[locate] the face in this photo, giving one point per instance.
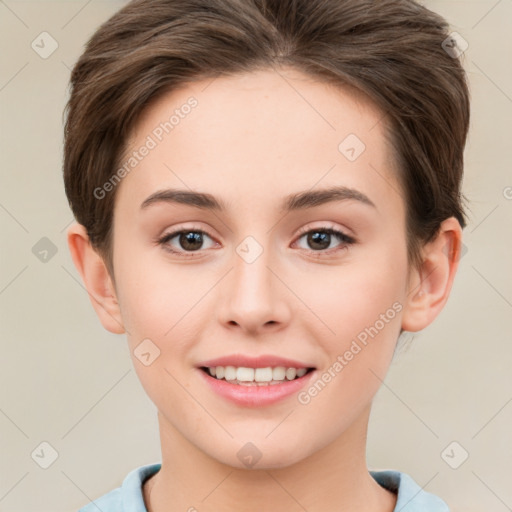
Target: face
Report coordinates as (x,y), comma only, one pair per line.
(273,277)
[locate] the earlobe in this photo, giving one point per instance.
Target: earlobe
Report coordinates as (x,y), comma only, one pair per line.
(430,285)
(96,278)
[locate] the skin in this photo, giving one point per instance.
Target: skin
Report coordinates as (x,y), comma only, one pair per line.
(252,140)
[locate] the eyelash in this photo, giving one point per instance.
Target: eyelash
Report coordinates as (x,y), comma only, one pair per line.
(345,239)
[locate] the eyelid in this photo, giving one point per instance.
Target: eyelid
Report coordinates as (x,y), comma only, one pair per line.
(342,234)
(181,229)
(345,239)
(324,227)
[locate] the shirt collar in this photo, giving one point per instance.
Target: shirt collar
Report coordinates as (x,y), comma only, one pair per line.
(410,496)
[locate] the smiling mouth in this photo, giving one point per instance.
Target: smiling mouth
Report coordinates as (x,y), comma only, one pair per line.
(244,376)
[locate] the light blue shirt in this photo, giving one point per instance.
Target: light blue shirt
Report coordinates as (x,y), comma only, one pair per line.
(129,498)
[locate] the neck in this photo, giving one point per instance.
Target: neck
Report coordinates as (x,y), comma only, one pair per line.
(334,478)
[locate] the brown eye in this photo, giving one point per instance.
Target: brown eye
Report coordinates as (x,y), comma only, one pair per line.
(187,240)
(320,239)
(190,241)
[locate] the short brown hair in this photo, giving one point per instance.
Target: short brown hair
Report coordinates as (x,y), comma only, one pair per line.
(391,50)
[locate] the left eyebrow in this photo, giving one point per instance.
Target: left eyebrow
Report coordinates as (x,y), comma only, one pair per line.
(310,198)
(292,202)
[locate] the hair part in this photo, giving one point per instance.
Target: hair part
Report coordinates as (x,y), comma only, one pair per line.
(389,50)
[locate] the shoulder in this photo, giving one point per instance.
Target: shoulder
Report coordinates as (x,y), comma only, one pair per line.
(410,496)
(126,498)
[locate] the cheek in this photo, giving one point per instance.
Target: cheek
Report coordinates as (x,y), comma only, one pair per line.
(157,296)
(365,316)
(352,298)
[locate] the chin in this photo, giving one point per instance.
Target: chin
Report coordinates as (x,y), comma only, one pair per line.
(261,453)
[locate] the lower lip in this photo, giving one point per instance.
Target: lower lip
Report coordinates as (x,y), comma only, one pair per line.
(256,396)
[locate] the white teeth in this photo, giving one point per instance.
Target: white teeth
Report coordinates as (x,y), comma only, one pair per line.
(229,373)
(291,373)
(278,373)
(245,374)
(256,376)
(263,375)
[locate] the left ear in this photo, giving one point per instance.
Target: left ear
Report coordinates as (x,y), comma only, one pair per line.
(430,285)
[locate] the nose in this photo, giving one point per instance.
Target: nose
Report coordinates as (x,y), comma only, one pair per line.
(253,297)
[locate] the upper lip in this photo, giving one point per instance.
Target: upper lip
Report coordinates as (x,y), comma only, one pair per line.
(262,361)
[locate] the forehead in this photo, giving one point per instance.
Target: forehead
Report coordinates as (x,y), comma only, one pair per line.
(254,133)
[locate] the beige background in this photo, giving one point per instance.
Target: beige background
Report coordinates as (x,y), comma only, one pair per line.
(66,381)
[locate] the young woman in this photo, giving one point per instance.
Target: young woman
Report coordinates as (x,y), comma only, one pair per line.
(267,193)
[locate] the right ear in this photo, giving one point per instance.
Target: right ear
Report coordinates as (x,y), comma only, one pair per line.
(96,278)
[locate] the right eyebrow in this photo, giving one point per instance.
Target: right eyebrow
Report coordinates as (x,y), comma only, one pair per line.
(187,197)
